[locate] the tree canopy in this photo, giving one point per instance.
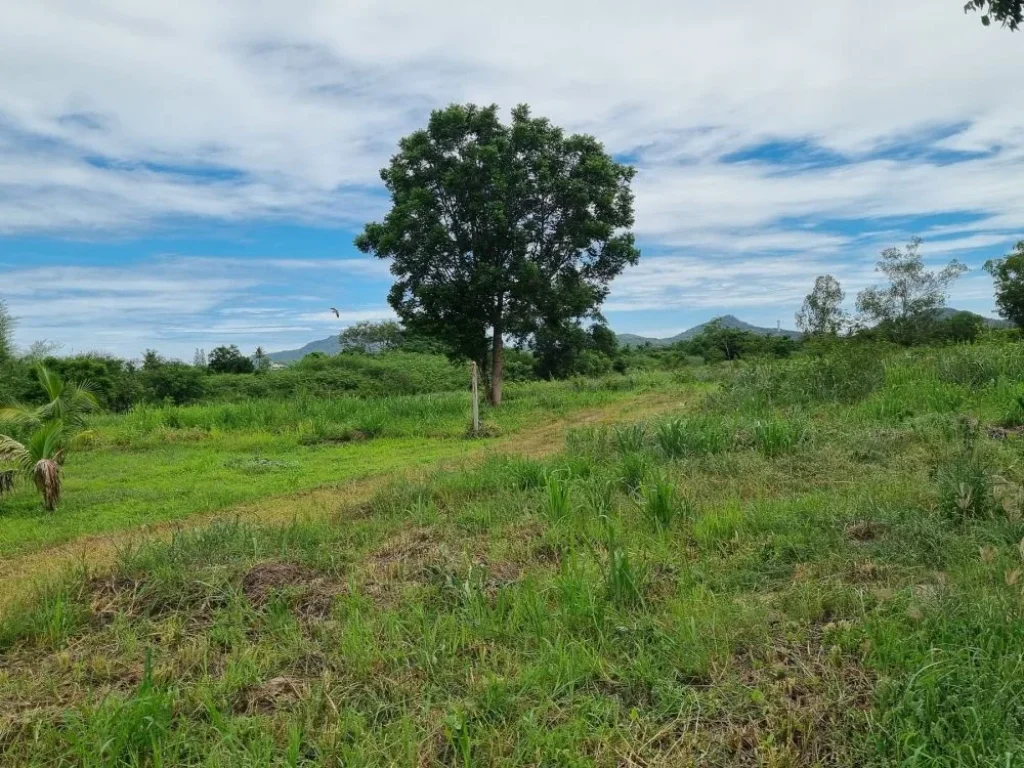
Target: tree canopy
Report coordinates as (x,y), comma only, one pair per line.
(229,359)
(822,311)
(1009,13)
(1008,274)
(367,336)
(497,230)
(914,295)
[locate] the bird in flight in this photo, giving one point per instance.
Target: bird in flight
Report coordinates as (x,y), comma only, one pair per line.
(337,314)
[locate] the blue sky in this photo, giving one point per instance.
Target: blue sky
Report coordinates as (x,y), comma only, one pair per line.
(185,175)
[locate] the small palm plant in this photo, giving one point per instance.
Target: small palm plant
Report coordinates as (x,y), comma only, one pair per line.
(50,428)
(40,457)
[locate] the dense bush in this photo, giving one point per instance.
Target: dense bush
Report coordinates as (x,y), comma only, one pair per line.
(175,383)
(361,375)
(845,372)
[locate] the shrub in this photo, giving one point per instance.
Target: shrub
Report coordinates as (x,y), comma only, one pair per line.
(175,383)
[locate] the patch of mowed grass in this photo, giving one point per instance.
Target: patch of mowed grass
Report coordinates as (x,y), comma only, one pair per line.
(157,464)
(806,608)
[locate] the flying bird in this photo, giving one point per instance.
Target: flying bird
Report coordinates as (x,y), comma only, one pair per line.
(337,314)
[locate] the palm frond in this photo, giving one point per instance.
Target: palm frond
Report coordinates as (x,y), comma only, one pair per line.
(69,402)
(12,452)
(51,383)
(47,442)
(19,417)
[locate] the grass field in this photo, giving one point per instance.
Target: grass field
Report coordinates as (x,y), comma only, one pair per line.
(159,464)
(818,561)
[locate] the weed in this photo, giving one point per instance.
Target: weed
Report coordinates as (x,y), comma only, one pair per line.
(633,471)
(698,435)
(661,503)
(965,485)
(630,438)
(1014,416)
(558,496)
(623,579)
(775,436)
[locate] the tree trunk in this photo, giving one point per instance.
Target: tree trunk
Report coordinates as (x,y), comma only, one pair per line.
(497,366)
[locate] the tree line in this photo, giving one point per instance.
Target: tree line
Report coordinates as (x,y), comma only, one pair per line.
(909,308)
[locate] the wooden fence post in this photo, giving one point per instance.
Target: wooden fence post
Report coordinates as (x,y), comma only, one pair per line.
(476,400)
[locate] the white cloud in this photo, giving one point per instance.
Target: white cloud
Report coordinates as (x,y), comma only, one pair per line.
(175,304)
(117,117)
(304,102)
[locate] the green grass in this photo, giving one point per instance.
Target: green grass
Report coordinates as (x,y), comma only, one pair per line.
(154,465)
(813,591)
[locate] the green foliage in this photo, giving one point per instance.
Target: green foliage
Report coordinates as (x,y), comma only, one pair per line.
(229,359)
(174,383)
(385,374)
(565,350)
(906,308)
(1009,13)
(630,438)
(367,336)
(498,229)
(822,311)
(816,611)
(846,373)
(1008,275)
(559,496)
(51,429)
(695,435)
(719,342)
(624,580)
(634,470)
(965,484)
(661,502)
(775,436)
(961,327)
(1014,416)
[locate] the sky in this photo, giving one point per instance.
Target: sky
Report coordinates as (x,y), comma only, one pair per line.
(184,175)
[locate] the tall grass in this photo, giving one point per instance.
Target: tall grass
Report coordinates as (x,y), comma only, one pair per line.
(694,435)
(661,503)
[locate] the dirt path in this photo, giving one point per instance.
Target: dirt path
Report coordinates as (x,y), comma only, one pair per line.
(18,574)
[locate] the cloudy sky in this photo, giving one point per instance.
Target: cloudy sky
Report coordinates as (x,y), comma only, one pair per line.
(180,175)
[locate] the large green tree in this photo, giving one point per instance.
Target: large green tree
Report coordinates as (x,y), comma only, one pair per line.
(367,336)
(496,230)
(1009,13)
(906,307)
(1008,274)
(229,359)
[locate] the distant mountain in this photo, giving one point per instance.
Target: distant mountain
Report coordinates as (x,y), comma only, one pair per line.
(729,321)
(329,346)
